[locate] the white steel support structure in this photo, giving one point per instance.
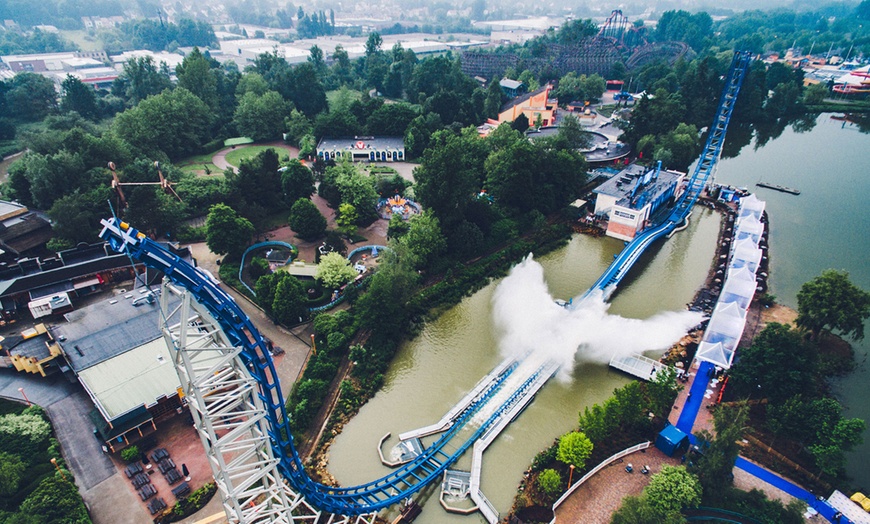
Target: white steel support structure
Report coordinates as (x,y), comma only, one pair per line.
(229,417)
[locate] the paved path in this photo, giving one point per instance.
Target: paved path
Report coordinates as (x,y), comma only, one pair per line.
(595,501)
(100,484)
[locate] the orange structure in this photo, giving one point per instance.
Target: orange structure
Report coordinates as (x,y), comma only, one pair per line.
(531,104)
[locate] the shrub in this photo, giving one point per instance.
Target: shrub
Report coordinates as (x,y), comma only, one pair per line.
(550,482)
(130,454)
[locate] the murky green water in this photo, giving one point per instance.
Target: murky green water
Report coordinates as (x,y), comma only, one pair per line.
(437,368)
(826,226)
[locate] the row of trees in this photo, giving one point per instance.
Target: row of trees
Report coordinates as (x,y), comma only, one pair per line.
(793,371)
(31,489)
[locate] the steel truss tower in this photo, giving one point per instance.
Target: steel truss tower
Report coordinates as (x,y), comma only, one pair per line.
(224,400)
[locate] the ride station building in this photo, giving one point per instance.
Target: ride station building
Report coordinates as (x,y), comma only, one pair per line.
(363,149)
(631,197)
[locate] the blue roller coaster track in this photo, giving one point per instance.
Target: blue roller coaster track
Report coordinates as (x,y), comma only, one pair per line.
(623,262)
(436,458)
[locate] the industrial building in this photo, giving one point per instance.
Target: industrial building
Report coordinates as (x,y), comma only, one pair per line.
(631,197)
(115,349)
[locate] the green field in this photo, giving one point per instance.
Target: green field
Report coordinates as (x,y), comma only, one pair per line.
(82,39)
(235,156)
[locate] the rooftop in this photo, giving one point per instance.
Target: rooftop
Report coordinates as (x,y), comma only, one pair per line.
(137,377)
(624,185)
(107,329)
(361,142)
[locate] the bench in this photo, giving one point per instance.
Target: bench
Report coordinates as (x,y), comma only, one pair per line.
(147,491)
(156,505)
(140,479)
(173,476)
(181,490)
(133,469)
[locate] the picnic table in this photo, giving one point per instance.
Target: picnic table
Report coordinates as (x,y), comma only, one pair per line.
(156,505)
(173,476)
(133,469)
(165,465)
(181,490)
(140,479)
(147,491)
(159,454)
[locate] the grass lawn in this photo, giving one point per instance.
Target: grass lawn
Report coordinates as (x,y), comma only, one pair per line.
(83,39)
(238,141)
(201,169)
(332,96)
(235,156)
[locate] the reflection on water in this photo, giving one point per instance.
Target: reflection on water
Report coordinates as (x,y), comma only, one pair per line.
(825,227)
(433,371)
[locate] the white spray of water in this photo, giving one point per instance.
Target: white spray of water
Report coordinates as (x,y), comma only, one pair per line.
(531,324)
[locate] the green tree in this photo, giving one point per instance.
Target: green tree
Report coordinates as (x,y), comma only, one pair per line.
(347,218)
(24,434)
(261,117)
(31,96)
(195,75)
(175,122)
(550,482)
(143,79)
(258,182)
(297,181)
(227,232)
(306,220)
(832,302)
(574,448)
(639,510)
(288,305)
(334,270)
(76,217)
(297,125)
(56,501)
(816,94)
(673,489)
(495,98)
(11,472)
(424,240)
(449,174)
(78,97)
(718,454)
(775,366)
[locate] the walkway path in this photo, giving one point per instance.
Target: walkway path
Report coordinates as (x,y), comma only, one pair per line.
(595,501)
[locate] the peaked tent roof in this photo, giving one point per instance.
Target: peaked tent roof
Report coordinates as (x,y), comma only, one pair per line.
(715,353)
(751,205)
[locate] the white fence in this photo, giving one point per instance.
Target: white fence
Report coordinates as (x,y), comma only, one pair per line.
(596,469)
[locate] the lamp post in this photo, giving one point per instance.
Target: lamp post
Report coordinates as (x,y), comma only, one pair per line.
(54,463)
(21,390)
(570,474)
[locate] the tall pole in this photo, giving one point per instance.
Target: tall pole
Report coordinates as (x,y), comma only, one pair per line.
(21,390)
(570,474)
(54,463)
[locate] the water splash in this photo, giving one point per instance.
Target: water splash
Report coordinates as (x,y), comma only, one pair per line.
(531,324)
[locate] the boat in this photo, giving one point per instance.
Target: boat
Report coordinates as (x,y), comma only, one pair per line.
(777,187)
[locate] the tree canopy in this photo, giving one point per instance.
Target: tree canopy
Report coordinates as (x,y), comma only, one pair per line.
(226,231)
(832,302)
(334,270)
(574,448)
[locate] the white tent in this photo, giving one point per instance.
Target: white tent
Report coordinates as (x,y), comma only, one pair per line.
(749,227)
(739,287)
(726,325)
(746,254)
(715,353)
(751,205)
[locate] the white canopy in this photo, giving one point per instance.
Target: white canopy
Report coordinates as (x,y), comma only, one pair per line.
(746,254)
(749,227)
(715,353)
(726,325)
(751,205)
(739,287)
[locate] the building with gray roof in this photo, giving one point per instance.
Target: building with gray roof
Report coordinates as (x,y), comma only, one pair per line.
(362,148)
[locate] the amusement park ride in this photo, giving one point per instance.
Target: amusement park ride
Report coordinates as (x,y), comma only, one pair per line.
(235,398)
(164,184)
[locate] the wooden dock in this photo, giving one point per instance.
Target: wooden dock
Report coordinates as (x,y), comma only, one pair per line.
(777,187)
